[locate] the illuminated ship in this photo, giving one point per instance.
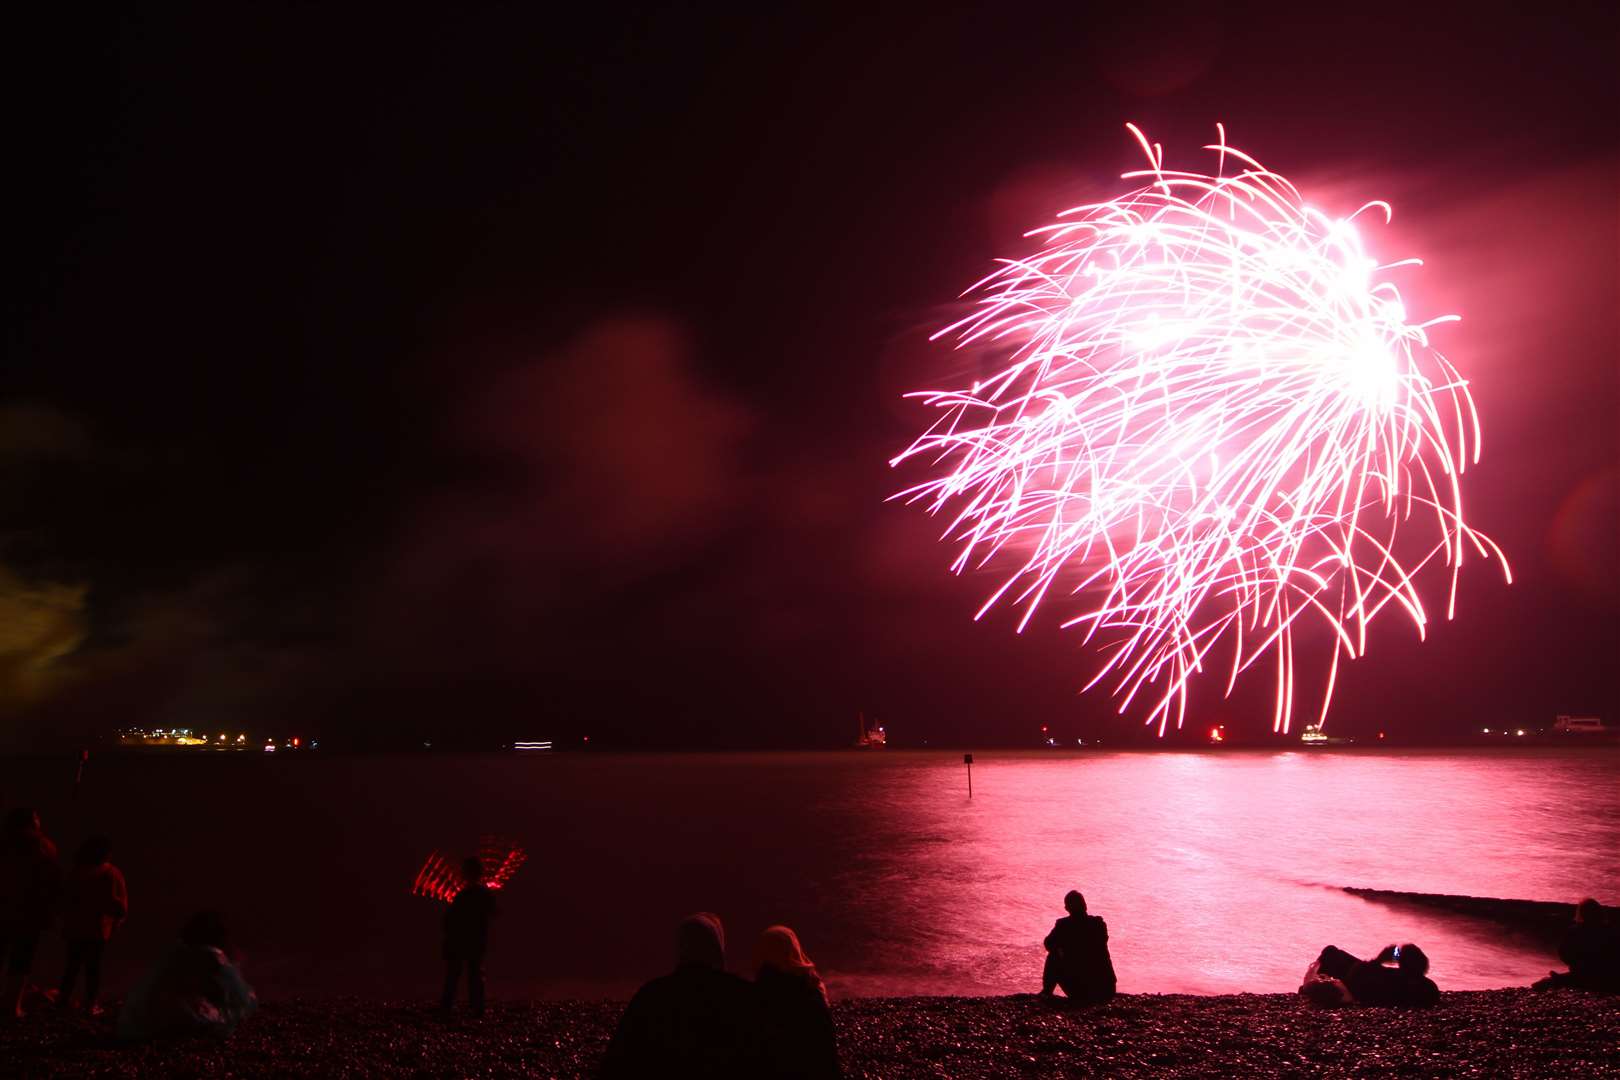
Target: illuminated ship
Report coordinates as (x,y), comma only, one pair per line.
(870,738)
(1583,726)
(1313,735)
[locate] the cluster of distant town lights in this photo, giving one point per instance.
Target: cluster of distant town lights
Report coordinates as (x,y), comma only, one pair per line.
(186,738)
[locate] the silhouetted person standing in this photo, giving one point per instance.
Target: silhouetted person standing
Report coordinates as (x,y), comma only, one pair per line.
(30,882)
(1077,955)
(699,1021)
(466,936)
(95,902)
(798,1039)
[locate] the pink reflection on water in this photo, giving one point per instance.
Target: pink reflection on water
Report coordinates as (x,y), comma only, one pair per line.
(1222,872)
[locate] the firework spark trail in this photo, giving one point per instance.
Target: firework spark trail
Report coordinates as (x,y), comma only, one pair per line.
(1212,418)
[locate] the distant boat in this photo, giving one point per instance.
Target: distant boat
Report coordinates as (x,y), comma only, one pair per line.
(870,738)
(1313,735)
(1582,725)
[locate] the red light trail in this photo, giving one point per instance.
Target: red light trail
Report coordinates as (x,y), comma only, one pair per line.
(440,877)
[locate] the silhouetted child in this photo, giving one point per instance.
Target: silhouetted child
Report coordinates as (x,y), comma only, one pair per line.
(466,936)
(30,883)
(1077,955)
(95,902)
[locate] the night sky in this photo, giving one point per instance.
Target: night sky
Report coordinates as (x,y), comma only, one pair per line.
(495,374)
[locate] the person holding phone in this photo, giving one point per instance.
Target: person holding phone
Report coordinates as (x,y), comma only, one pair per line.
(1397,976)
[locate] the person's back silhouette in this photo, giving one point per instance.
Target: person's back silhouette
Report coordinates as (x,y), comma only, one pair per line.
(466,936)
(699,1021)
(1077,955)
(798,1042)
(1591,948)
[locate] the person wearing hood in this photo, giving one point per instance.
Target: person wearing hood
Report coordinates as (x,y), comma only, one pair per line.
(30,886)
(797,1034)
(699,1021)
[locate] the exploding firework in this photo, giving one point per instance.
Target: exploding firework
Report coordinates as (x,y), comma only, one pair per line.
(1209,420)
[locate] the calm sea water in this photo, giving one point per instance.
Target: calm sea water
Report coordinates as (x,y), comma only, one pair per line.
(1216,871)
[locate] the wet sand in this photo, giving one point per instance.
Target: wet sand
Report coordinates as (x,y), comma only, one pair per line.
(1472,1033)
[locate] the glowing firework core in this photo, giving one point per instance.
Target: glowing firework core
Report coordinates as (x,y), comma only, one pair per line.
(1210,416)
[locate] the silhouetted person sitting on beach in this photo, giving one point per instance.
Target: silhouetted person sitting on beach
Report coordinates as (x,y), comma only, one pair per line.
(195,989)
(1339,978)
(1077,955)
(1591,948)
(30,882)
(466,936)
(798,1039)
(95,902)
(700,1020)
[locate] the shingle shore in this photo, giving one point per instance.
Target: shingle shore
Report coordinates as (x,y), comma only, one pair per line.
(1472,1033)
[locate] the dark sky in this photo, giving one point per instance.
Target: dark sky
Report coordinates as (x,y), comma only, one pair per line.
(384,374)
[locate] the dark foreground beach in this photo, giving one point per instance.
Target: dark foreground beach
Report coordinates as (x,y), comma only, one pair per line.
(1472,1033)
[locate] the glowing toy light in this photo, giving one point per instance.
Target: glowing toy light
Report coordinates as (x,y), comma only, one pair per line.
(441,879)
(1209,418)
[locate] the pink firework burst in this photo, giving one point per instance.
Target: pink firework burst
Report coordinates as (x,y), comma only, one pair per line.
(1211,419)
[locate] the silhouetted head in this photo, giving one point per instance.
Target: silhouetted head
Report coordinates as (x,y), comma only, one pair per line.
(94,851)
(205,928)
(1589,912)
(1412,960)
(701,942)
(472,868)
(778,950)
(1074,903)
(21,819)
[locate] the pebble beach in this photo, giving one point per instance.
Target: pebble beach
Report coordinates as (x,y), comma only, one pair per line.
(1495,1033)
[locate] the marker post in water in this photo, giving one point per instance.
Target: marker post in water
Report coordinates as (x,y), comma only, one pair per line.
(967,759)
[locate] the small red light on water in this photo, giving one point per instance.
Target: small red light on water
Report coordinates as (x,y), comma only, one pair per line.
(295,742)
(1043,729)
(1380,734)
